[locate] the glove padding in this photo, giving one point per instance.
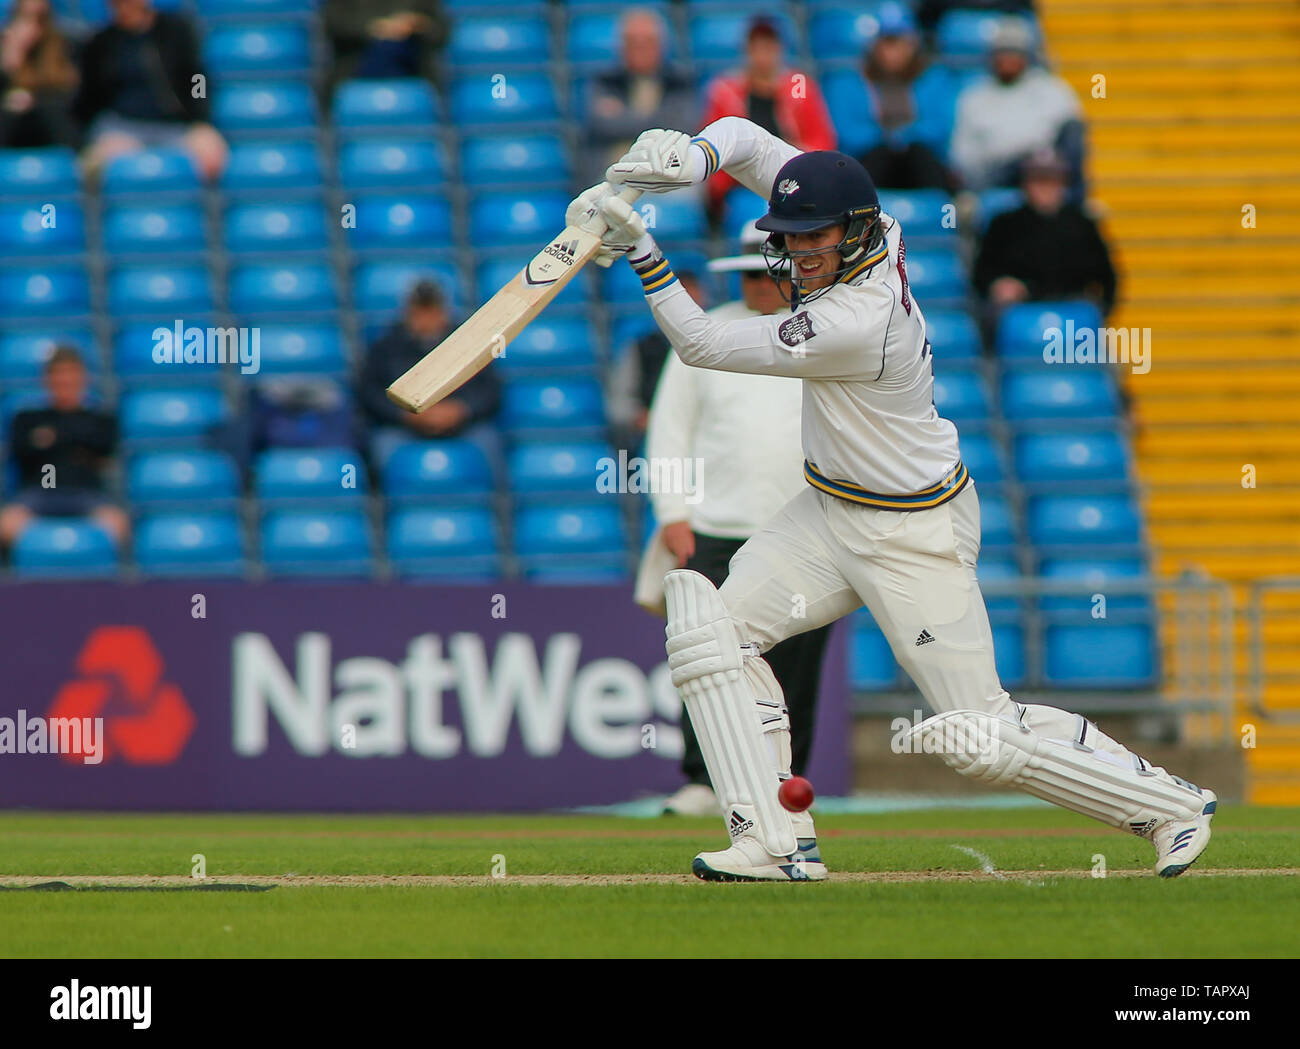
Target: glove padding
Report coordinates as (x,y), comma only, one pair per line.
(659,161)
(599,210)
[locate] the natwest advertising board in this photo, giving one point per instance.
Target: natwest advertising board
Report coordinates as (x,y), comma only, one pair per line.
(344,697)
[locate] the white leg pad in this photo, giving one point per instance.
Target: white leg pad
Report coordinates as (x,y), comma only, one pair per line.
(1112,785)
(721,688)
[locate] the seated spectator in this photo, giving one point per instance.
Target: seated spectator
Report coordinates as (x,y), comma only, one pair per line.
(138,90)
(907,108)
(60,452)
(466,413)
(385,38)
(1017,111)
(37,79)
(639,92)
(635,372)
(306,412)
(784,101)
(1046,249)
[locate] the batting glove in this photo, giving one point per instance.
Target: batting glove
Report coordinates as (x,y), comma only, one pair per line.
(659,162)
(584,211)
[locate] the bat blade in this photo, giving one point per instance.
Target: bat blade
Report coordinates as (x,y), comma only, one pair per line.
(485,335)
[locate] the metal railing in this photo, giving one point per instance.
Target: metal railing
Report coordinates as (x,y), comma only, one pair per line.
(1259,618)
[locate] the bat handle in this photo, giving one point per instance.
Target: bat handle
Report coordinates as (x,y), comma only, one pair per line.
(630,195)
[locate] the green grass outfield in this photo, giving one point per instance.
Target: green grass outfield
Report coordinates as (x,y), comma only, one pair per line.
(609,886)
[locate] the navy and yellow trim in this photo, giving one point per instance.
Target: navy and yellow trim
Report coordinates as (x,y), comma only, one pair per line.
(935,495)
(655,274)
(859,268)
(711,159)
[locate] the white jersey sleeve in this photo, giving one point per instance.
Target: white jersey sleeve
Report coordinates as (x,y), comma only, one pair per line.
(748,153)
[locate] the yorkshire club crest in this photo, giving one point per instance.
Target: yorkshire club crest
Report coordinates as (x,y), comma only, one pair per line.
(787,186)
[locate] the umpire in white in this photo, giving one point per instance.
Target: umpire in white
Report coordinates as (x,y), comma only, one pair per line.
(744,429)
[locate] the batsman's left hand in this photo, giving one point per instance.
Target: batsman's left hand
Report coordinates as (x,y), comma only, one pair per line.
(599,210)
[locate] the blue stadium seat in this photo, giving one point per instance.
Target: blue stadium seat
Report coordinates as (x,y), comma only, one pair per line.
(364,106)
(267,288)
(197,475)
(176,415)
(964,35)
(872,666)
(316,474)
(569,468)
(1083,520)
(41,228)
(1095,575)
(997,522)
(549,343)
(568,539)
(38,173)
(954,335)
(1072,456)
(64,548)
(514,218)
(383,286)
(843,32)
(983,458)
(135,342)
(444,470)
(264,107)
(718,37)
(150,172)
(1025,330)
(301,349)
(190,544)
(131,229)
(593,37)
(269,49)
(403,221)
(321,543)
(996,570)
(40,291)
(993,202)
(392,163)
(921,212)
(961,396)
(453,544)
(23,353)
(248,10)
(533,160)
(1008,648)
(1059,393)
(620,284)
(1099,654)
(673,218)
(266,229)
(936,275)
(557,404)
(499,41)
(740,207)
(521,98)
(255,167)
(493,273)
(178,290)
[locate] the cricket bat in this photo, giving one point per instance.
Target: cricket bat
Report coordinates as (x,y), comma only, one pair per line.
(484,337)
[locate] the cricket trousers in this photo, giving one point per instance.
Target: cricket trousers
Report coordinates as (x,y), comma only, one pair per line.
(796,662)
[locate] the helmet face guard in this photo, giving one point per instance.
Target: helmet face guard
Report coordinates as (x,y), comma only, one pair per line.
(862,237)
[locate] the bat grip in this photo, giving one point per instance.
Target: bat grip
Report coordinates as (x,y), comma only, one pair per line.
(630,195)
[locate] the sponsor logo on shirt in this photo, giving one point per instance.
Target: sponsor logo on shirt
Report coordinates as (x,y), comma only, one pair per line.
(796,330)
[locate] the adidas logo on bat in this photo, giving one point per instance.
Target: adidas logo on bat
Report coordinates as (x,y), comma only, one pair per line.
(564,251)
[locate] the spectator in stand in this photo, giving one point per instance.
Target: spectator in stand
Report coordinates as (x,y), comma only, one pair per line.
(641,91)
(37,79)
(385,38)
(467,413)
(59,452)
(1017,111)
(635,373)
(138,90)
(906,110)
(1047,249)
(784,101)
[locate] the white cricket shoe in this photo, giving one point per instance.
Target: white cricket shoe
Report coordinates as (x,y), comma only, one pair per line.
(694,799)
(748,860)
(1179,843)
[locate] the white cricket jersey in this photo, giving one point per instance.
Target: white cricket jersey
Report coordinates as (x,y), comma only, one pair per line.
(870,427)
(743,429)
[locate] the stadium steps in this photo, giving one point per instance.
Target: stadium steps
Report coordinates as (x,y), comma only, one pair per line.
(1201,116)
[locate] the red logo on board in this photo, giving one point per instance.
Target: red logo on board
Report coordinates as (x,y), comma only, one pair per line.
(120,678)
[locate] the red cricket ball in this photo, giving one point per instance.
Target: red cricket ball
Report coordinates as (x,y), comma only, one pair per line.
(795,794)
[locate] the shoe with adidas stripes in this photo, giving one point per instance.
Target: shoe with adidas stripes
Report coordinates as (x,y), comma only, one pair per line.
(748,860)
(1179,843)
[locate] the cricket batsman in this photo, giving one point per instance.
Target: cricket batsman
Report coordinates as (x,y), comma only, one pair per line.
(889,517)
